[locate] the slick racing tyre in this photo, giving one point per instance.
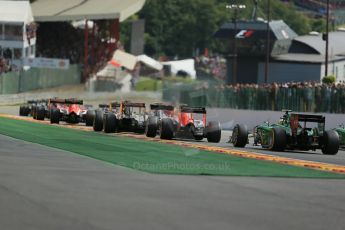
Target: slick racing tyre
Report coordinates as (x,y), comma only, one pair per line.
(54,116)
(34,112)
(40,113)
(98,121)
(167,129)
(277,140)
(21,110)
(151,126)
(109,121)
(239,136)
(213,132)
(90,116)
(26,111)
(330,143)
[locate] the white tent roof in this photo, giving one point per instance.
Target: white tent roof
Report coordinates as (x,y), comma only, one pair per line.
(15,11)
(150,62)
(69,10)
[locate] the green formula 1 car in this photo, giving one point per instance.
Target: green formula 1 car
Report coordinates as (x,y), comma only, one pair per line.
(291,133)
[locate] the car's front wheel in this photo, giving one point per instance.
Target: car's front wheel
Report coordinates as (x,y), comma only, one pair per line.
(239,136)
(277,139)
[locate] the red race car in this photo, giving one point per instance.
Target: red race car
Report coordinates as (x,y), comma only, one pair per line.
(189,122)
(69,110)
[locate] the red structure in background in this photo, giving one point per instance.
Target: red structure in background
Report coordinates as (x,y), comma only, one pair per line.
(86,50)
(111,45)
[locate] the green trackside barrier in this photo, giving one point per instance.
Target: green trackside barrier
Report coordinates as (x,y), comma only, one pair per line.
(35,78)
(9,82)
(327,99)
(46,78)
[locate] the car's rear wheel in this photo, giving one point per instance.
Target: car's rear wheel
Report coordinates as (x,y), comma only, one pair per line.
(98,121)
(213,132)
(239,136)
(40,113)
(330,143)
(21,110)
(109,122)
(34,112)
(26,111)
(90,116)
(54,116)
(167,129)
(151,126)
(277,139)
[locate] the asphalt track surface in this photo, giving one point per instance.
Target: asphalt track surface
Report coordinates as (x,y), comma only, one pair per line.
(45,188)
(316,156)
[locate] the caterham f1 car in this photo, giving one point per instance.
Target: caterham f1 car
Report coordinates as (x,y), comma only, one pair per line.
(126,116)
(69,110)
(290,133)
(189,122)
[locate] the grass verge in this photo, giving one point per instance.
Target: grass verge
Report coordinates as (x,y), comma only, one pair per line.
(150,156)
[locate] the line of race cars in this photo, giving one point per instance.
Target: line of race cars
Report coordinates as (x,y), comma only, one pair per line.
(163,120)
(168,121)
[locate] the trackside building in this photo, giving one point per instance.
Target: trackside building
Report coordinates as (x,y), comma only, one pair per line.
(291,57)
(17,32)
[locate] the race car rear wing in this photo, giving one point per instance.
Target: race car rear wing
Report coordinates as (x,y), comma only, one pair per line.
(308,118)
(102,106)
(74,101)
(133,104)
(187,109)
(37,101)
(160,106)
(115,104)
(66,101)
(57,100)
(296,118)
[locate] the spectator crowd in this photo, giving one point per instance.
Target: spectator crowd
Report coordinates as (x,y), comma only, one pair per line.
(301,97)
